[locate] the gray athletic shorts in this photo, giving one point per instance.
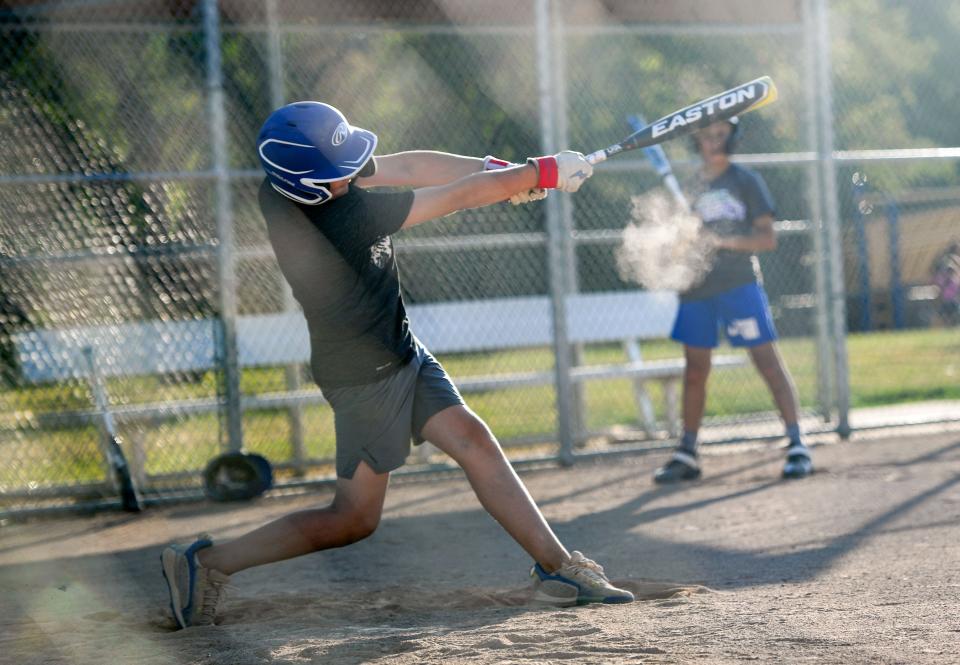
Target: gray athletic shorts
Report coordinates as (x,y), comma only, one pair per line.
(375,422)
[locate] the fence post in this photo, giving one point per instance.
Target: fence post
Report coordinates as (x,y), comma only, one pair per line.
(828,178)
(224,219)
(896,282)
(825,385)
(860,211)
(549,103)
(568,245)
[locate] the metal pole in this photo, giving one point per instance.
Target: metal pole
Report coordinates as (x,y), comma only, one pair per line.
(828,175)
(224,219)
(570,275)
(863,256)
(896,282)
(825,387)
(274,55)
(291,372)
(549,104)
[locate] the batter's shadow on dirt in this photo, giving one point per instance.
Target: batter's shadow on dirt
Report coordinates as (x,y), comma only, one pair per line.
(81,529)
(715,566)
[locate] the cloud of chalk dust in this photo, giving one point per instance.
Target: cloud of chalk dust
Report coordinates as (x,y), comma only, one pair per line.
(662,248)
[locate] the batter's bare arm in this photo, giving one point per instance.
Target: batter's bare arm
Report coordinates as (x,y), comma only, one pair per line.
(420,168)
(473,191)
(565,171)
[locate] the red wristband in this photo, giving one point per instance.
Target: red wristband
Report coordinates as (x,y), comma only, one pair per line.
(547,172)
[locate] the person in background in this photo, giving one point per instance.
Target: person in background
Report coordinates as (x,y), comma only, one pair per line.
(945,273)
(737,213)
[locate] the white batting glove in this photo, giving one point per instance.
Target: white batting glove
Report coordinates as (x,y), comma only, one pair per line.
(491,163)
(574,170)
(566,170)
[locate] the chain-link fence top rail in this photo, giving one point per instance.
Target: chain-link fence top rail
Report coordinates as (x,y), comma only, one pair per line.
(110,196)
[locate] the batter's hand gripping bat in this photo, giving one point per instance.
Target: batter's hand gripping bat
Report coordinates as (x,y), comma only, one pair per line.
(735,101)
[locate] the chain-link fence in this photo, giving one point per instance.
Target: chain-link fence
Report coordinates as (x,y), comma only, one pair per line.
(129,223)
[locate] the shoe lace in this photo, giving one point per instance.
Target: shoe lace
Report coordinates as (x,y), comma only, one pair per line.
(214,592)
(586,567)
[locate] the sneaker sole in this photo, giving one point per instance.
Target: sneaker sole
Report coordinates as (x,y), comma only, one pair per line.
(674,481)
(606,600)
(556,601)
(168,562)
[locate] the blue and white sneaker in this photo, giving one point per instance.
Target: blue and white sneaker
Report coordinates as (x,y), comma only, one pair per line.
(579,581)
(196,593)
(799,464)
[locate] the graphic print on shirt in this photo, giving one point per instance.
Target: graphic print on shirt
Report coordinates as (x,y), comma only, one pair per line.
(380,252)
(718,207)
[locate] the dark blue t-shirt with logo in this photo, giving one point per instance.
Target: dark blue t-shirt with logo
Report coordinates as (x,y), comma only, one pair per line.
(339,261)
(728,207)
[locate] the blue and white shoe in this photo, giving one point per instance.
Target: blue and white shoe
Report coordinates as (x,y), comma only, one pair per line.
(799,464)
(196,593)
(579,581)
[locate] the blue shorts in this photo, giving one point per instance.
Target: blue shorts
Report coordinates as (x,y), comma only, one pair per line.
(743,312)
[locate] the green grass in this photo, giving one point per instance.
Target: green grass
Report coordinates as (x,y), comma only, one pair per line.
(885,368)
(895,367)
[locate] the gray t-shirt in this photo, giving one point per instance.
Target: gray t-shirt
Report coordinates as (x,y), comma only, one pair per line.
(339,261)
(728,207)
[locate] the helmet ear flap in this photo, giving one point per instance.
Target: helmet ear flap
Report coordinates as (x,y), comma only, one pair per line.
(369,169)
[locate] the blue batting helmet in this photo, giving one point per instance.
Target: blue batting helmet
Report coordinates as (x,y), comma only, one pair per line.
(304,145)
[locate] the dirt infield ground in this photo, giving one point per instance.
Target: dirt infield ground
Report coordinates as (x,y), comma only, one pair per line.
(858,564)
